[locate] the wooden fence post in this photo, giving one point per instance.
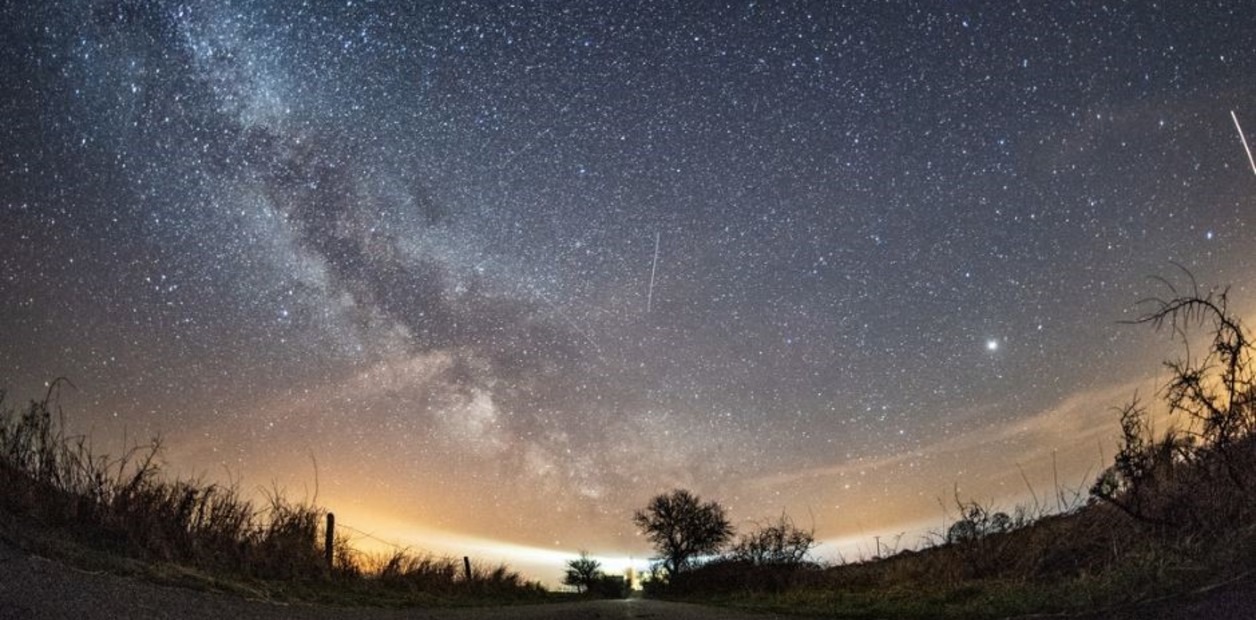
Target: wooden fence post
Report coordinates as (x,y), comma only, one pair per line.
(466,563)
(329,541)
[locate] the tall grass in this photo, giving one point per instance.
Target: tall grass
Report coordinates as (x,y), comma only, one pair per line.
(127,505)
(419,572)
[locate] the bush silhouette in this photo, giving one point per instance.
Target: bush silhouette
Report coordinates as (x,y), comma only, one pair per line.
(777,543)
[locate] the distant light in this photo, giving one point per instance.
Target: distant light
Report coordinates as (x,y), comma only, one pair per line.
(992,345)
(1208,235)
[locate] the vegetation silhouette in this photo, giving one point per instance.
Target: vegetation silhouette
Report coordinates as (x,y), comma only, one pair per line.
(777,543)
(56,489)
(692,536)
(1197,477)
(583,573)
(1175,512)
(682,528)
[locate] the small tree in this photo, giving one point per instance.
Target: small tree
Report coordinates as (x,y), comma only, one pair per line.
(583,572)
(682,528)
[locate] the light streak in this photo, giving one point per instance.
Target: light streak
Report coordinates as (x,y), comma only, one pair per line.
(649,300)
(1246,148)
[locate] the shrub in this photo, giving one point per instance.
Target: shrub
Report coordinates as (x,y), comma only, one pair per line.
(776,543)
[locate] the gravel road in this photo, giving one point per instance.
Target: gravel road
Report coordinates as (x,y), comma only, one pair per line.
(32,587)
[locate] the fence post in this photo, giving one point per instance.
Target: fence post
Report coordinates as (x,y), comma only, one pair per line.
(466,563)
(329,541)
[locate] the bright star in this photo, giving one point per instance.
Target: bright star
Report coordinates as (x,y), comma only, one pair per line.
(992,345)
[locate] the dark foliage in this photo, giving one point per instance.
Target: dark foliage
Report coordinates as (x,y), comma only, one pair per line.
(779,543)
(583,573)
(610,586)
(683,528)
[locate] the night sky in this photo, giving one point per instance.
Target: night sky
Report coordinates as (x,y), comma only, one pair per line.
(504,271)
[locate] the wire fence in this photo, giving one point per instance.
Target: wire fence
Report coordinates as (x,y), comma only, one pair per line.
(359,534)
(335,529)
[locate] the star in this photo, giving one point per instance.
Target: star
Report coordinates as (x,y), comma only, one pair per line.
(542,263)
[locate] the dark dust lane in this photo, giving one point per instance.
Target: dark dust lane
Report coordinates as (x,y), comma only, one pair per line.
(33,587)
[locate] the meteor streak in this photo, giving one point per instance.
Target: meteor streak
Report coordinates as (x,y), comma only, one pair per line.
(1246,148)
(649,299)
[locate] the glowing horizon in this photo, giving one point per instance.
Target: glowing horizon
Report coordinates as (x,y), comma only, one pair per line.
(488,276)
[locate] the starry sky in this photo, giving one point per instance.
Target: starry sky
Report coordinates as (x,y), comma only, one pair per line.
(502,271)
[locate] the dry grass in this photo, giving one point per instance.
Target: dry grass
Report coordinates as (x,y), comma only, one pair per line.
(126,506)
(420,572)
(1095,557)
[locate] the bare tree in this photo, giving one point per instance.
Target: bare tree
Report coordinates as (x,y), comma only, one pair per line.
(779,543)
(682,528)
(1163,481)
(1217,392)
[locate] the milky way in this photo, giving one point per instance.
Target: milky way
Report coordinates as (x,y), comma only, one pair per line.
(506,270)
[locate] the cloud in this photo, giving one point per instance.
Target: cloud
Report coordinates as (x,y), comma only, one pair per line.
(1076,423)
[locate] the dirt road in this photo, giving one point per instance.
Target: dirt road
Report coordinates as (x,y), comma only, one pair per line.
(32,587)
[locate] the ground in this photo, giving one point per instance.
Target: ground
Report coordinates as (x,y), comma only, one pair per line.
(33,587)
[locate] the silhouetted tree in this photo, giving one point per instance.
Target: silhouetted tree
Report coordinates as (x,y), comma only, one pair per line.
(1217,391)
(583,572)
(683,528)
(779,543)
(1190,475)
